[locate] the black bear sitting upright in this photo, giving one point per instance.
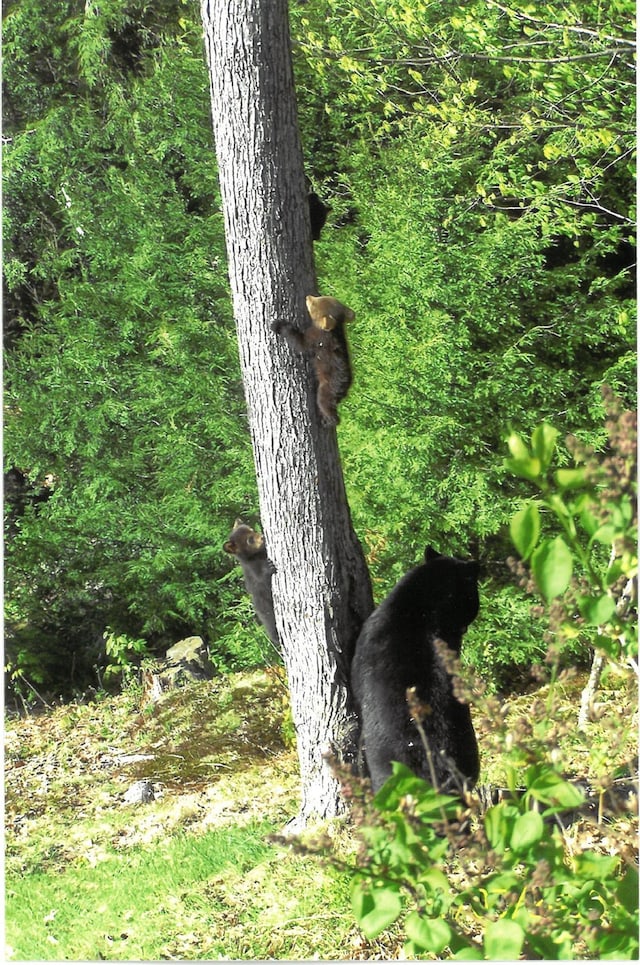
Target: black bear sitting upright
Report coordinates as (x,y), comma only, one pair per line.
(395,650)
(326,344)
(249,549)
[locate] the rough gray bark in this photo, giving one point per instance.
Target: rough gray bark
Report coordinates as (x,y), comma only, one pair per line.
(627,598)
(321,589)
(589,692)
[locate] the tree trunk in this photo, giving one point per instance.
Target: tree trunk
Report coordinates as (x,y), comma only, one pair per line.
(589,692)
(321,589)
(624,603)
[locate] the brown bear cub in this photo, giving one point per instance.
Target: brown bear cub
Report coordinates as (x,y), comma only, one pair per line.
(325,343)
(248,547)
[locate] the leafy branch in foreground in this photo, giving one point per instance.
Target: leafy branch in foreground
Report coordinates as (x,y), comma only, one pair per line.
(546,868)
(501,886)
(514,880)
(586,573)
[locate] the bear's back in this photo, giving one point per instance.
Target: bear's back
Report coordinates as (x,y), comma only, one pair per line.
(436,598)
(397,650)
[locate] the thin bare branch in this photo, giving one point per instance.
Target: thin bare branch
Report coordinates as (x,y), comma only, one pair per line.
(454,56)
(596,206)
(572,28)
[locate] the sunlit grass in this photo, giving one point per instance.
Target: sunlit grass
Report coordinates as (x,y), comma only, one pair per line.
(225,894)
(192,875)
(129,905)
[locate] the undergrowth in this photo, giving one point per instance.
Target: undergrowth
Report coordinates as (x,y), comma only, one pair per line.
(190,874)
(542,864)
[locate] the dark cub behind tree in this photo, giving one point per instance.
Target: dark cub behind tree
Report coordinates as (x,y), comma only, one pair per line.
(249,549)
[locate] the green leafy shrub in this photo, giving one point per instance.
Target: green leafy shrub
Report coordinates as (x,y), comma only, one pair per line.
(122,379)
(123,653)
(485,878)
(503,645)
(527,871)
(501,885)
(586,572)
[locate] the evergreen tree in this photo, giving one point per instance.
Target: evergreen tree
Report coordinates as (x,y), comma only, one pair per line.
(122,384)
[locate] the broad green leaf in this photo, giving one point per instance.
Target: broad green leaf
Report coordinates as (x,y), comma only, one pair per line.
(615,571)
(518,447)
(498,822)
(376,907)
(598,866)
(597,610)
(525,529)
(503,941)
(543,443)
(495,826)
(606,533)
(627,891)
(526,468)
(432,934)
(622,513)
(546,785)
(527,830)
(433,804)
(435,880)
(570,478)
(552,566)
(618,947)
(556,503)
(589,521)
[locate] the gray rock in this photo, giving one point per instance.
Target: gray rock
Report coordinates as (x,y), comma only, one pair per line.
(185,662)
(188,659)
(140,793)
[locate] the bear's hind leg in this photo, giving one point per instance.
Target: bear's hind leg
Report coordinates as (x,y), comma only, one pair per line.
(327,403)
(379,766)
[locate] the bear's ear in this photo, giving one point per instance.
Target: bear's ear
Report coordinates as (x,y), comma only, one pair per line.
(229,546)
(431,554)
(237,523)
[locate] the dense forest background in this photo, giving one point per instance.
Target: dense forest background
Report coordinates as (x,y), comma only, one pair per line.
(477,159)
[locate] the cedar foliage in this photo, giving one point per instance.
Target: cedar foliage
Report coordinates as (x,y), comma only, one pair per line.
(478,164)
(122,376)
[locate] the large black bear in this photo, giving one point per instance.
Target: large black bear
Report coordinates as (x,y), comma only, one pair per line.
(249,549)
(395,650)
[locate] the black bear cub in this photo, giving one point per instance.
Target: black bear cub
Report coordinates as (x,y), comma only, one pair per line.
(325,343)
(318,211)
(248,547)
(395,650)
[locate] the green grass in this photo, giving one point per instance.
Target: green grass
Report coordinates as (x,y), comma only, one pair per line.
(225,894)
(191,875)
(129,905)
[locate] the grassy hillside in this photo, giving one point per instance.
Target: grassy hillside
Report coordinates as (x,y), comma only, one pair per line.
(187,875)
(191,873)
